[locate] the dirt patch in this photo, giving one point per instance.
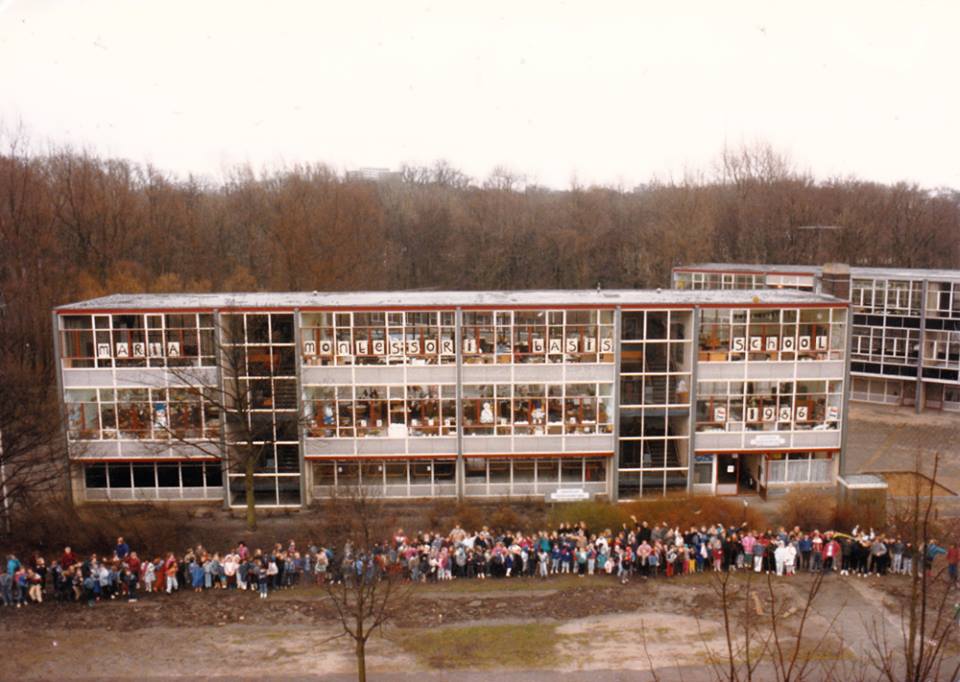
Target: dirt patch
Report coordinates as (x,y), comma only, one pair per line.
(590,624)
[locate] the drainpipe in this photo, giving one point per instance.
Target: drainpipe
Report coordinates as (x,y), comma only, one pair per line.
(459,469)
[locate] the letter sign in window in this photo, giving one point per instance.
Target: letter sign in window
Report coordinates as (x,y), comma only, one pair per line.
(573,344)
(362,347)
(785,413)
(555,346)
(123,350)
(156,350)
(589,344)
(753,414)
(396,347)
(103,350)
(413,347)
(720,414)
(430,346)
(379,347)
(139,350)
(802,411)
(469,345)
(769,413)
(343,348)
(326,347)
(446,347)
(756,343)
(173,349)
(789,343)
(739,344)
(821,343)
(804,343)
(536,345)
(771,343)
(309,347)
(606,345)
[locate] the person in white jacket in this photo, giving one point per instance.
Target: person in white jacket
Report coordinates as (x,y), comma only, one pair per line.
(790,560)
(780,557)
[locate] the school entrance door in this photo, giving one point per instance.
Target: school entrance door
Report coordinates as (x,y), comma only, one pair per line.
(728,474)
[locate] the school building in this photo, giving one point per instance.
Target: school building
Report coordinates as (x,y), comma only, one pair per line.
(905,334)
(616,394)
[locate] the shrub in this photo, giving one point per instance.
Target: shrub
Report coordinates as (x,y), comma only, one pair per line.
(686,511)
(809,509)
(505,518)
(595,514)
(470,518)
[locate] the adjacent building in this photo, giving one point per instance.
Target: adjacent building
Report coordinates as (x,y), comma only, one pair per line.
(905,343)
(620,394)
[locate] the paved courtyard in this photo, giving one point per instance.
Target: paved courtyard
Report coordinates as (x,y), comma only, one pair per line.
(885,439)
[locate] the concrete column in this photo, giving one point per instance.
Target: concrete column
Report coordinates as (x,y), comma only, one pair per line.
(921,398)
(306,473)
(459,469)
(218,365)
(613,477)
(847,388)
(691,406)
(75,487)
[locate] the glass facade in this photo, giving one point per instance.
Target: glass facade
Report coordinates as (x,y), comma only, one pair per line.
(520,401)
(905,328)
(656,359)
(259,375)
(772,334)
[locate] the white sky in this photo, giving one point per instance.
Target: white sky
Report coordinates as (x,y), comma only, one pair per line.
(612,93)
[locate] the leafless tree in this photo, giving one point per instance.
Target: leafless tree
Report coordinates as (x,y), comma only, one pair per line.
(758,643)
(33,459)
(928,622)
(248,436)
(370,591)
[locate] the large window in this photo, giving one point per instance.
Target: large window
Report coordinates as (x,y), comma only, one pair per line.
(537,409)
(260,365)
(772,334)
(886,296)
(941,349)
(803,467)
(379,338)
(736,406)
(137,340)
(429,337)
(141,413)
(153,480)
(943,299)
(365,411)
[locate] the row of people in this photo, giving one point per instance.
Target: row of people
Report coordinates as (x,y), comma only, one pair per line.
(636,549)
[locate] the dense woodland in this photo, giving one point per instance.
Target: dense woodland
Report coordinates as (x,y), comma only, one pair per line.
(74,226)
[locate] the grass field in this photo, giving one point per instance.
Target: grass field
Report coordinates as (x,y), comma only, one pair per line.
(483,646)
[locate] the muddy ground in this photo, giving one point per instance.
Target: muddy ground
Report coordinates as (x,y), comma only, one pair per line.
(452,631)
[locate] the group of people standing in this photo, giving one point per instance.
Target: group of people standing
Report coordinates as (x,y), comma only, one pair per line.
(636,549)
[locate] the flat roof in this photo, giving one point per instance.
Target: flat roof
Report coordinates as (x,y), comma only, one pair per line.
(887,273)
(862,481)
(545,298)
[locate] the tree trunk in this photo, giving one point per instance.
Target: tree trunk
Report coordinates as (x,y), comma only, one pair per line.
(251,500)
(361,661)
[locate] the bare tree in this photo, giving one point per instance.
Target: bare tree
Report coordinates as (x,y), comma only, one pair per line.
(32,449)
(761,645)
(927,619)
(370,591)
(241,388)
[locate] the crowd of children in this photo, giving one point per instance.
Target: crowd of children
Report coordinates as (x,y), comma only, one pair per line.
(637,549)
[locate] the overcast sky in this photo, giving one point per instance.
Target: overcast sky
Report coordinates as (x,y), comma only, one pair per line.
(612,93)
